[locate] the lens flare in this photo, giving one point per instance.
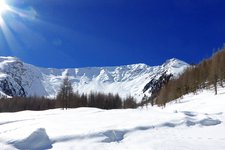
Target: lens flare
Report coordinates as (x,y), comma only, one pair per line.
(3,7)
(20,27)
(12,24)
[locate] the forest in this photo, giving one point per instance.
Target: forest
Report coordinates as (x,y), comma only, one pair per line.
(207,74)
(65,99)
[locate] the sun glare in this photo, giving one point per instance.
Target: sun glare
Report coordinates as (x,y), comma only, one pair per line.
(13,21)
(3,7)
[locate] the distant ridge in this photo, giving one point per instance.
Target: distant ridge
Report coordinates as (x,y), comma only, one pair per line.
(21,79)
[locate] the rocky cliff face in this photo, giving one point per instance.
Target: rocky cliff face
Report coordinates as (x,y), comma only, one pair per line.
(20,79)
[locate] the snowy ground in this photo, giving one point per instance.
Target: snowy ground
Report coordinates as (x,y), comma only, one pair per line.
(196,122)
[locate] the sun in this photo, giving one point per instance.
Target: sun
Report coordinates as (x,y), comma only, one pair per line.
(3,7)
(14,14)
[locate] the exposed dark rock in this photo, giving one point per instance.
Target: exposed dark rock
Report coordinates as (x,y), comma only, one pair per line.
(8,88)
(154,87)
(155,84)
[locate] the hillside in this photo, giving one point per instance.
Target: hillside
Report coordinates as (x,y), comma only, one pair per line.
(209,72)
(192,123)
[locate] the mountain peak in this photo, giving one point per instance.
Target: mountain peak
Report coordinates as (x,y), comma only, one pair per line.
(8,58)
(175,66)
(173,62)
(138,65)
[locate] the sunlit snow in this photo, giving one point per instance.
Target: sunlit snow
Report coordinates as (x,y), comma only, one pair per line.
(193,123)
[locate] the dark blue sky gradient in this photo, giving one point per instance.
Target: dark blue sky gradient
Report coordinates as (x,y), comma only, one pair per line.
(81,33)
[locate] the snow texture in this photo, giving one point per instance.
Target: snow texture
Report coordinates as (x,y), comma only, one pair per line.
(193,123)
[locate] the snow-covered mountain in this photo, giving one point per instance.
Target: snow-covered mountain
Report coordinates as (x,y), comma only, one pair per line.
(21,79)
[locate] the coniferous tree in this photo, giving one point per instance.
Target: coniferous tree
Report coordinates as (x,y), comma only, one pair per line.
(214,72)
(209,72)
(65,93)
(129,102)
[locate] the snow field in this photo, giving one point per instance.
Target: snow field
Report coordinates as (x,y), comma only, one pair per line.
(195,122)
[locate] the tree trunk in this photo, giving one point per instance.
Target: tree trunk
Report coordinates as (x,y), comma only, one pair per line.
(215,85)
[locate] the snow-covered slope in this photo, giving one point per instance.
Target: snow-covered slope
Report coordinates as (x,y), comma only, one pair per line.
(20,79)
(196,122)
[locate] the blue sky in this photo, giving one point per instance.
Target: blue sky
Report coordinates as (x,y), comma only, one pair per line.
(81,33)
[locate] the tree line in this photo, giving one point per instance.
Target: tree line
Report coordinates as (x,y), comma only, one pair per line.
(65,99)
(26,103)
(209,72)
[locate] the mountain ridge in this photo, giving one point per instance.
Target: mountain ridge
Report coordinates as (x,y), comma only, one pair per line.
(12,58)
(22,79)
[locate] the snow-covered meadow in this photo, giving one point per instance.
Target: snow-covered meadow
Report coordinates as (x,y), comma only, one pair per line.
(196,122)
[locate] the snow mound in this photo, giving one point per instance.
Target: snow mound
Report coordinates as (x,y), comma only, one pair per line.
(113,136)
(190,114)
(210,122)
(38,140)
